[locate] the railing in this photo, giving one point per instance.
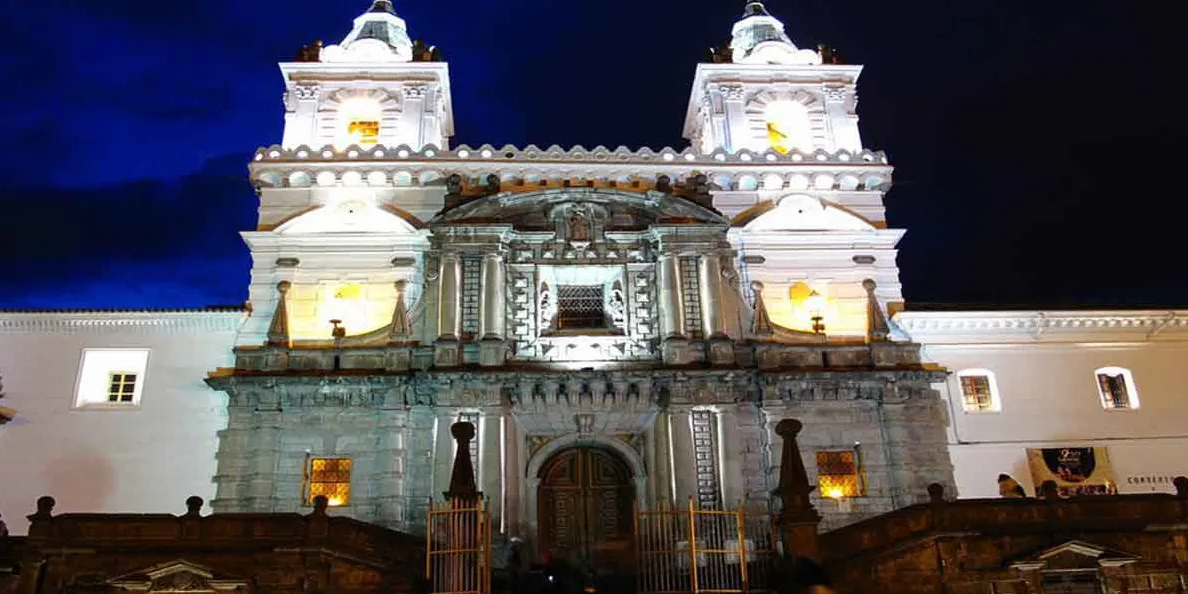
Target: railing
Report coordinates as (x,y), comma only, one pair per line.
(458,547)
(693,550)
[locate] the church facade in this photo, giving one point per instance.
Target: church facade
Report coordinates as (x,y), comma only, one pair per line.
(624,327)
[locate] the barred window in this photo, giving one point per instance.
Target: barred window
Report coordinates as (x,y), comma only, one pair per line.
(121,386)
(838,474)
(580,307)
(705,452)
(330,477)
(978,390)
(1115,385)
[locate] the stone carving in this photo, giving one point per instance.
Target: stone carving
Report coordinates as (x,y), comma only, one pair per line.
(617,307)
(306,91)
(794,488)
(578,225)
(310,53)
(278,330)
(548,307)
(399,329)
(761,322)
(415,91)
(585,423)
(877,329)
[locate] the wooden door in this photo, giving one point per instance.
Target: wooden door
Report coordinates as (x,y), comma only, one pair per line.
(586,501)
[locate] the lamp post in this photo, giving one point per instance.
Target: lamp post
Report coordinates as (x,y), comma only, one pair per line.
(816,306)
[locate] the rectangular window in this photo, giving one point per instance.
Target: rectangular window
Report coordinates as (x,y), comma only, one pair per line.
(1114,394)
(121,386)
(838,474)
(364,132)
(580,307)
(976,391)
(705,452)
(330,477)
(111,378)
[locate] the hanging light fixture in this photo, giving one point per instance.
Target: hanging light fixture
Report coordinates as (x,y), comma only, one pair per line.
(816,307)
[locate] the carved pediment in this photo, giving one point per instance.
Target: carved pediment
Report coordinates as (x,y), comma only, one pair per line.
(177,576)
(1073,555)
(624,210)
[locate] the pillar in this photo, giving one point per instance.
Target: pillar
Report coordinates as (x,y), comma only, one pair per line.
(449,318)
(264,460)
(710,272)
(443,451)
(491,475)
(672,313)
(513,475)
(731,462)
(684,465)
(491,322)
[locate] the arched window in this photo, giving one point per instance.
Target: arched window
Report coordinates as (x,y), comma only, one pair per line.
(1115,385)
(788,127)
(979,390)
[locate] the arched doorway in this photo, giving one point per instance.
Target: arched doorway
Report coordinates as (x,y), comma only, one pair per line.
(585,507)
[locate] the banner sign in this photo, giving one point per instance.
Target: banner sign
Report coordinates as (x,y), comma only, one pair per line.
(1076,471)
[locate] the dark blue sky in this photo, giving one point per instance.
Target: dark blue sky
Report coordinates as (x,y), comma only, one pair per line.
(1037,145)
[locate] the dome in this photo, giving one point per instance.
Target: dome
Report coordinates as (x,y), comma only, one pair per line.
(759,38)
(378,36)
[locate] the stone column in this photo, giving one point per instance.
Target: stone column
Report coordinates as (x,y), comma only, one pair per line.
(494,311)
(731,462)
(491,475)
(672,312)
(412,116)
(684,464)
(443,452)
(737,125)
(265,456)
(301,115)
(449,303)
(388,479)
(513,475)
(710,282)
(663,472)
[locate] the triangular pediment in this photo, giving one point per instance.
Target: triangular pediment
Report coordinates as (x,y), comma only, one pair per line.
(1073,555)
(176,576)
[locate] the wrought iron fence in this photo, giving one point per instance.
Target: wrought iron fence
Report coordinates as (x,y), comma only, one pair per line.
(689,550)
(458,555)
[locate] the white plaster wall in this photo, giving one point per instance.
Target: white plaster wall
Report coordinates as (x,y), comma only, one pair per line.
(1049,398)
(143,460)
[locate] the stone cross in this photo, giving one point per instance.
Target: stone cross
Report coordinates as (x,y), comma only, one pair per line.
(462,483)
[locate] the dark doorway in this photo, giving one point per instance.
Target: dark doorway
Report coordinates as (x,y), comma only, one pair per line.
(585,509)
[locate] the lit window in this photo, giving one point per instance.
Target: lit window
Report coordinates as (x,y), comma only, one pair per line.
(979,391)
(111,378)
(788,127)
(580,307)
(330,477)
(363,132)
(1115,385)
(838,475)
(121,387)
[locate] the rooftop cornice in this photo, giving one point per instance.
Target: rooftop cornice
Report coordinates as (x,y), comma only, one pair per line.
(974,327)
(276,166)
(806,239)
(219,320)
(311,71)
(822,73)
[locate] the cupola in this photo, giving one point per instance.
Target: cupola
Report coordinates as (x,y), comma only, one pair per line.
(378,36)
(759,38)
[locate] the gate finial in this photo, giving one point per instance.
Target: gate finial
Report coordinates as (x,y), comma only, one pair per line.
(462,483)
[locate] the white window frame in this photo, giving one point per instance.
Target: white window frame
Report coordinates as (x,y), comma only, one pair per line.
(1132,398)
(992,379)
(91,386)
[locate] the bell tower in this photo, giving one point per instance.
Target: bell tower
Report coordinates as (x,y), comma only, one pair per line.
(375,88)
(763,92)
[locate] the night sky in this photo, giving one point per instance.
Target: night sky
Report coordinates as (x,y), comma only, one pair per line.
(1038,145)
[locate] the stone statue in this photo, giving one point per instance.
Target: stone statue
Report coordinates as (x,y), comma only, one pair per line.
(310,53)
(579,226)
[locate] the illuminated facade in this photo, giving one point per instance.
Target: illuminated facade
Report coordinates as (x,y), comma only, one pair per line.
(623,327)
(614,321)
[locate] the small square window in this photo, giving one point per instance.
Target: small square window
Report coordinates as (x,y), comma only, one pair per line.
(1115,385)
(111,378)
(979,392)
(330,477)
(838,475)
